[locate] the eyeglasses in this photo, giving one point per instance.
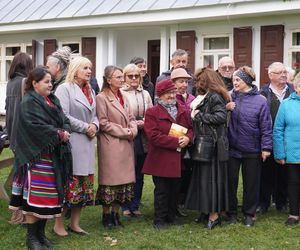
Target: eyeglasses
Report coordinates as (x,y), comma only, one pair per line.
(284,72)
(118,77)
(227,68)
(133,76)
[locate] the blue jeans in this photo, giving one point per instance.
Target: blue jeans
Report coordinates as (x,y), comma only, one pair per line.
(138,186)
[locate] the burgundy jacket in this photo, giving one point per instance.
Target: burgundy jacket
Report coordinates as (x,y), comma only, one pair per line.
(163,159)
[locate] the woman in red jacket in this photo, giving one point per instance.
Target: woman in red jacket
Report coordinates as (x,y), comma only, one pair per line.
(165,152)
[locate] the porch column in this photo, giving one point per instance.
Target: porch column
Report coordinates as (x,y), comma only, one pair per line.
(101,55)
(173,39)
(256,52)
(112,47)
(164,49)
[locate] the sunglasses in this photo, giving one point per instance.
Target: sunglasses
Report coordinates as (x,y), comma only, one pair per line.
(133,76)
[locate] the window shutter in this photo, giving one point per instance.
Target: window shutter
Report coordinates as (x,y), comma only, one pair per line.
(271,49)
(186,40)
(88,49)
(49,47)
(242,46)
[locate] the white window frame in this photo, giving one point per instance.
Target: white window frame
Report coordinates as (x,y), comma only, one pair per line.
(4,57)
(62,42)
(293,48)
(2,69)
(216,52)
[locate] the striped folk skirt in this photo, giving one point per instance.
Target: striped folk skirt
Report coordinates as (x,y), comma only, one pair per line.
(35,190)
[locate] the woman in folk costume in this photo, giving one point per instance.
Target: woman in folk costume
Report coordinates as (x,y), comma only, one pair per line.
(78,103)
(43,157)
(116,157)
(19,69)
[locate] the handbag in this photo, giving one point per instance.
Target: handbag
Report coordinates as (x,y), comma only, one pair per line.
(223,148)
(203,148)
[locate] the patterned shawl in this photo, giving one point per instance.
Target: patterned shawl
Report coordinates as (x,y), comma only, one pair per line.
(38,132)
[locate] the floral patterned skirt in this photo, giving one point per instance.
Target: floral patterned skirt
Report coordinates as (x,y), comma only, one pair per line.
(106,195)
(81,191)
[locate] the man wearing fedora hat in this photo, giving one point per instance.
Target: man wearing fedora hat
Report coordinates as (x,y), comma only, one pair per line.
(181,78)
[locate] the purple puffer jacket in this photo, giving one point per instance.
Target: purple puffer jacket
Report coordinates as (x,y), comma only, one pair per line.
(250,126)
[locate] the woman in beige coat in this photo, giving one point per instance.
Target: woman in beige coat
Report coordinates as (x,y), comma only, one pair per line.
(116,157)
(139,101)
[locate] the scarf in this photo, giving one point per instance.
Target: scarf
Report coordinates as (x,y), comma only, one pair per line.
(37,129)
(119,97)
(87,92)
(195,103)
(170,107)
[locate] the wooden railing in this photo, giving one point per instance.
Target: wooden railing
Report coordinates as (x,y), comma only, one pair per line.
(4,164)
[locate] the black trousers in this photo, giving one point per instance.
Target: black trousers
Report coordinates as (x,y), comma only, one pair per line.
(251,170)
(186,175)
(293,178)
(273,184)
(165,199)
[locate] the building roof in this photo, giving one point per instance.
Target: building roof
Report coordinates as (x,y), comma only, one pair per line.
(12,11)
(20,15)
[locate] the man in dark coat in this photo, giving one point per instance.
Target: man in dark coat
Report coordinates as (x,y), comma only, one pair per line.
(273,178)
(179,60)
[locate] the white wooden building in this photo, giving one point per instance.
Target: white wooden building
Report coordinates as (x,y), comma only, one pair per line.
(255,33)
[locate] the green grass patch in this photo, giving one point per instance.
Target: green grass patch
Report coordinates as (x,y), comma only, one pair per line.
(269,231)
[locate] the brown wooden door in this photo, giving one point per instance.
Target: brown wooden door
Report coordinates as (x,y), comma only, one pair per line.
(88,49)
(33,55)
(50,46)
(153,59)
(242,38)
(186,40)
(271,49)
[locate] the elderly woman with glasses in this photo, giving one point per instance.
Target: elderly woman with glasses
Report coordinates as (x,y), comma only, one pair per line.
(250,142)
(165,151)
(118,129)
(139,100)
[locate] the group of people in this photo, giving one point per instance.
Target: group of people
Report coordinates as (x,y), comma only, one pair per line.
(54,119)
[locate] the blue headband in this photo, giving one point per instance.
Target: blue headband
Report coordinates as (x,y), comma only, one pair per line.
(245,77)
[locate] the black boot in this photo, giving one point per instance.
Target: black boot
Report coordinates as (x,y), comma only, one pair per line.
(106,221)
(115,217)
(41,234)
(32,240)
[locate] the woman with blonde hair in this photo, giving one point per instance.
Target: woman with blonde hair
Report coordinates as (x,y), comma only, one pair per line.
(79,104)
(139,101)
(116,156)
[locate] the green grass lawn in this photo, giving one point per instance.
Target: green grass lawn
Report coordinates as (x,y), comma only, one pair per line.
(269,231)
